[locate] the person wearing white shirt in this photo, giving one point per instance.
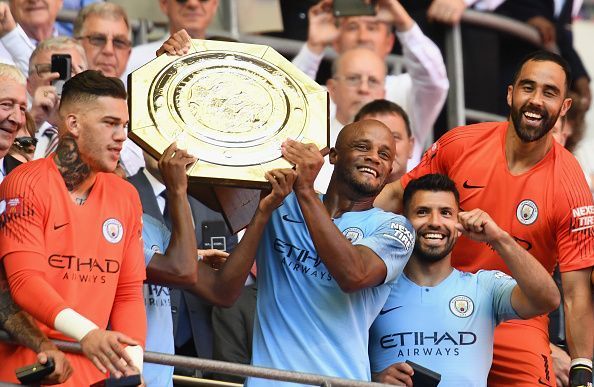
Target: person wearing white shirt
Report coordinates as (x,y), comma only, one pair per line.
(23,24)
(192,15)
(421,91)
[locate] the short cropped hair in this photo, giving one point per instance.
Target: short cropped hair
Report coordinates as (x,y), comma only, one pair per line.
(383,106)
(90,85)
(433,182)
(57,43)
(11,72)
(110,11)
(545,56)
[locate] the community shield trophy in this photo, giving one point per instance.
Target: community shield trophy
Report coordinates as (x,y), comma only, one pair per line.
(231,105)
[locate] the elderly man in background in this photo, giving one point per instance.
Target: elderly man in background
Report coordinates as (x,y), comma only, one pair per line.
(45,96)
(23,24)
(421,91)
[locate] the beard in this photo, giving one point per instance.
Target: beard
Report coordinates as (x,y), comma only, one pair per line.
(527,134)
(432,254)
(361,187)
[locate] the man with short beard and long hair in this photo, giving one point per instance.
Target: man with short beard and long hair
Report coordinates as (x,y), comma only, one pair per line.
(451,314)
(536,191)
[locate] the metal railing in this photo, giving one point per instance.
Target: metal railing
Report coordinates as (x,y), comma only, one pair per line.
(228,368)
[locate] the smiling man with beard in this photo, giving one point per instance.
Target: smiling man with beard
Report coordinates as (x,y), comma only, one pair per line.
(450,315)
(536,191)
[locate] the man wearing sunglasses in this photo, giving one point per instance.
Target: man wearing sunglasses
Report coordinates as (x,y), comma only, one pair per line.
(103,30)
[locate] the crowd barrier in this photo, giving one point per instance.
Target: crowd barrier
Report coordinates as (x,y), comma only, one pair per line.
(226,368)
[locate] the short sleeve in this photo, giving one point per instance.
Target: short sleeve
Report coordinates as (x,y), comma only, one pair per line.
(22,212)
(393,241)
(431,162)
(501,286)
(574,216)
(155,237)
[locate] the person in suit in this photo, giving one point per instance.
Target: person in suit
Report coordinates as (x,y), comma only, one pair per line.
(192,324)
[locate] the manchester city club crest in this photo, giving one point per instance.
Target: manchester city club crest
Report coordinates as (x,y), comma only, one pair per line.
(113,230)
(461,306)
(353,234)
(527,212)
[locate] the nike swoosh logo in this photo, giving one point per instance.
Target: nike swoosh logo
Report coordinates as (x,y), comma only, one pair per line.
(384,311)
(540,381)
(466,185)
(525,244)
(58,226)
(286,217)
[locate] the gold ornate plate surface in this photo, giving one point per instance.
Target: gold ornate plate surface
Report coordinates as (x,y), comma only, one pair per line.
(229,104)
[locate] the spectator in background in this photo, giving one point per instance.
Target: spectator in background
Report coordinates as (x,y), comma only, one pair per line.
(396,119)
(46,101)
(104,32)
(23,24)
(421,91)
(23,147)
(65,28)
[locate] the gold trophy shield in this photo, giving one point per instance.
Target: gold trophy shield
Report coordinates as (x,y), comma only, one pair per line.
(231,105)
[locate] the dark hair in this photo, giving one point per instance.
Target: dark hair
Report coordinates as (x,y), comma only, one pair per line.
(89,85)
(433,182)
(383,106)
(545,56)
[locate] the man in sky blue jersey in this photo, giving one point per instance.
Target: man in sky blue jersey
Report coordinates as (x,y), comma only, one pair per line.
(326,263)
(442,318)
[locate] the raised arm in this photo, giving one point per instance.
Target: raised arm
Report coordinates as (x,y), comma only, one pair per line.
(354,267)
(178,266)
(390,199)
(222,287)
(535,293)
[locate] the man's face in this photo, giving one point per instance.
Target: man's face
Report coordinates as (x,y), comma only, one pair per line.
(537,99)
(364,31)
(403,142)
(40,67)
(35,13)
(359,80)
(434,216)
(363,159)
(107,44)
(101,129)
(13,105)
(192,15)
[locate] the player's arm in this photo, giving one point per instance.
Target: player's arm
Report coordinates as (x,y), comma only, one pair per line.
(222,287)
(399,374)
(24,331)
(535,292)
(579,323)
(178,266)
(390,199)
(353,267)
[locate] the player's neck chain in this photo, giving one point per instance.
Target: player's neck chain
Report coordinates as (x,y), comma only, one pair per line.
(71,167)
(80,201)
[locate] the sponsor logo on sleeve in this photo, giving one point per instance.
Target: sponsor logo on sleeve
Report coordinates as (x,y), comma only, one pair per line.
(113,230)
(582,218)
(401,234)
(527,212)
(461,306)
(353,234)
(501,275)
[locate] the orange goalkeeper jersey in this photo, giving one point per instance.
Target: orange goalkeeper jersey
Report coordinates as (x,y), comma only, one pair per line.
(548,210)
(86,257)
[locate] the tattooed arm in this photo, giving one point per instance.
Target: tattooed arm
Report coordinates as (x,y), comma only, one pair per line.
(24,331)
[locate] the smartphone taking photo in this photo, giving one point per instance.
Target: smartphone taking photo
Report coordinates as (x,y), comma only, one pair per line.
(61,63)
(353,8)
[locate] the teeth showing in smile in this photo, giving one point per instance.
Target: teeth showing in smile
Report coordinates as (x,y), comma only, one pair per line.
(433,236)
(368,170)
(534,116)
